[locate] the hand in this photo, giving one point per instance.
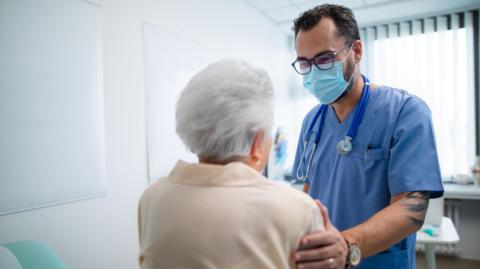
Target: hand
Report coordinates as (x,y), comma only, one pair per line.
(322,250)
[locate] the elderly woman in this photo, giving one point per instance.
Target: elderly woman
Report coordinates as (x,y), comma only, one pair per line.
(221,212)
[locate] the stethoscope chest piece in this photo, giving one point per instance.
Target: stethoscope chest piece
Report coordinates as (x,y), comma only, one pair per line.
(344,146)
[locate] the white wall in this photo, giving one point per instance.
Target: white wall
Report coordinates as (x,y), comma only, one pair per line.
(102,233)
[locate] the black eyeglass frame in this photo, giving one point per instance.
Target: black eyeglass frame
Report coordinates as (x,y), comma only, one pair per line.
(311,61)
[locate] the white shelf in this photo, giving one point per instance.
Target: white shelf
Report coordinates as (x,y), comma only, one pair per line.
(454,191)
(445,233)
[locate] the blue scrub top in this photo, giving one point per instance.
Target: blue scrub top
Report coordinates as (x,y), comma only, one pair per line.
(402,158)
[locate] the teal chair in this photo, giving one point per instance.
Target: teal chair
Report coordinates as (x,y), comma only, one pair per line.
(35,255)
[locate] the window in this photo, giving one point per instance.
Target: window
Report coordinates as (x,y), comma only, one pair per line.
(437,66)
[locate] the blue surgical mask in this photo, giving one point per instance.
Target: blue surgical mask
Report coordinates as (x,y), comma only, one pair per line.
(326,85)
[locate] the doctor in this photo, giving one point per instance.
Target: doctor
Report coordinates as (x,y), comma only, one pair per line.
(367,152)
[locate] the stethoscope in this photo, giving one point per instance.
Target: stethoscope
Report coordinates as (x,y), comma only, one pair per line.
(344,146)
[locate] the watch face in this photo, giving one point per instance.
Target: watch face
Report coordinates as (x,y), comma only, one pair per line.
(355,255)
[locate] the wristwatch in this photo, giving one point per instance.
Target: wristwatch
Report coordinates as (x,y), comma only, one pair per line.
(354,254)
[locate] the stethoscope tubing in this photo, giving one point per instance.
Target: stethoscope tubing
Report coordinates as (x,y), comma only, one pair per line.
(352,131)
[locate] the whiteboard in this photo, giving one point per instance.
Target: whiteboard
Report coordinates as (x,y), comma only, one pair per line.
(170,61)
(52,146)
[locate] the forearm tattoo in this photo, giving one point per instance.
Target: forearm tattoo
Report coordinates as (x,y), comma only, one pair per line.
(416,204)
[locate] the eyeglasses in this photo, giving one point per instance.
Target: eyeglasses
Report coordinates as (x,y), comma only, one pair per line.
(322,61)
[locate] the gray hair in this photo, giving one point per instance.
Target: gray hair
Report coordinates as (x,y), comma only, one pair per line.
(223,107)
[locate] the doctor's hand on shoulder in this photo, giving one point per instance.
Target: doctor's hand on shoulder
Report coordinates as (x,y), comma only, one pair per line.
(326,249)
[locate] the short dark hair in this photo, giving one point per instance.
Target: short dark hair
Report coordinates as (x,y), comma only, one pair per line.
(342,17)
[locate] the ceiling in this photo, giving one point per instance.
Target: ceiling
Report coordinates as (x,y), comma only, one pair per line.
(284,11)
(367,12)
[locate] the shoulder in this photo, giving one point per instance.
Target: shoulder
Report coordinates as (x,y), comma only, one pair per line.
(311,114)
(287,196)
(313,111)
(150,191)
(294,209)
(407,114)
(400,101)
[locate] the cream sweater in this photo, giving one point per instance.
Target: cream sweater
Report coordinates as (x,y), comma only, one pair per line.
(222,216)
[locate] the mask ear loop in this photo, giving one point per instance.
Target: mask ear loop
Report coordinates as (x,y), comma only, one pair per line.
(348,53)
(355,66)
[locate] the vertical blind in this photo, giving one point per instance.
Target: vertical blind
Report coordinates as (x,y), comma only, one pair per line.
(433,58)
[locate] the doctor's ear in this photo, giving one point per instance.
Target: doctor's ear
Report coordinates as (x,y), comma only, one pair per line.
(358,50)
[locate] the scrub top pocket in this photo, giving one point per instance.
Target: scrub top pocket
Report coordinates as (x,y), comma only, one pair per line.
(376,173)
(371,180)
(375,155)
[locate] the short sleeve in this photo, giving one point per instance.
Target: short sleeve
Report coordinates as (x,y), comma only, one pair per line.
(413,164)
